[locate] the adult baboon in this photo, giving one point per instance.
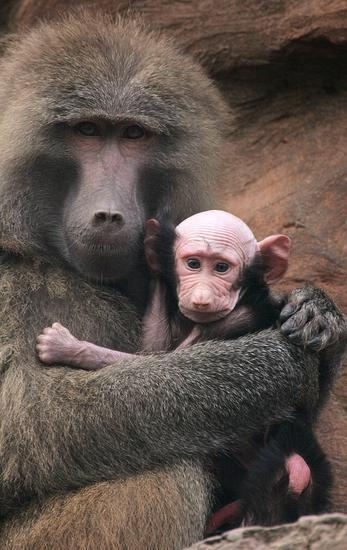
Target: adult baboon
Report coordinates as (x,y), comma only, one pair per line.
(101,125)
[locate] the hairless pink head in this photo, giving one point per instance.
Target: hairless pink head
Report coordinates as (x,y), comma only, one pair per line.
(211,250)
(221,230)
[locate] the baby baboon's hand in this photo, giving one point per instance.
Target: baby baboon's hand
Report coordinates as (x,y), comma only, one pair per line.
(56,344)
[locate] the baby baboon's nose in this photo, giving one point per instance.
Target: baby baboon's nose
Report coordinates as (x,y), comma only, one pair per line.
(201,298)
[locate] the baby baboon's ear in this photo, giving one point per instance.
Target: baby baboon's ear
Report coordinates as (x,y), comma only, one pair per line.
(151,236)
(275,252)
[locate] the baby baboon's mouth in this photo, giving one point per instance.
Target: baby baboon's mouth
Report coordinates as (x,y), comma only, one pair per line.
(199,316)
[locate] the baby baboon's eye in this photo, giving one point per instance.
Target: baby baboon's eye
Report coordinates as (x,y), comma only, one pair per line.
(87,128)
(221,267)
(133,132)
(193,263)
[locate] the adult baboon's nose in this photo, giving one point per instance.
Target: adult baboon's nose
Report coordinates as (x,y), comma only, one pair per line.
(109,217)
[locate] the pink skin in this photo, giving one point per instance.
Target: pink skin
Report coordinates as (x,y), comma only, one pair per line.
(299,474)
(226,514)
(211,250)
(221,245)
(56,345)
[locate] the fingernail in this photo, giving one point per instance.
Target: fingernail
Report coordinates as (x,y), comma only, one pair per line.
(287,310)
(287,327)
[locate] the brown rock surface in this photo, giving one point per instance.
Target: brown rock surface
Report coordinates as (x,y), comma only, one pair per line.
(282,65)
(310,532)
(224,33)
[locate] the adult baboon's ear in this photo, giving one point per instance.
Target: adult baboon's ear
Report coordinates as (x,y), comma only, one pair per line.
(275,252)
(151,235)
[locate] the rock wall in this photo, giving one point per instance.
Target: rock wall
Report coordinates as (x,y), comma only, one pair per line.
(223,33)
(311,533)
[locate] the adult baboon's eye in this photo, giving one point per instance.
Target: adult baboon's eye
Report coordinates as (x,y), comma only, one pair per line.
(87,128)
(193,263)
(221,267)
(133,132)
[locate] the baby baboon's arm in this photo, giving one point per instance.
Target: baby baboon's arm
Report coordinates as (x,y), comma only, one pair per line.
(56,345)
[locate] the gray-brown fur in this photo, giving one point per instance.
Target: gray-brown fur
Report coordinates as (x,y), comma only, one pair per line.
(71,441)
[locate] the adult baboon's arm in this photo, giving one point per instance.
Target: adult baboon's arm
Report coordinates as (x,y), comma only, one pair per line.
(62,428)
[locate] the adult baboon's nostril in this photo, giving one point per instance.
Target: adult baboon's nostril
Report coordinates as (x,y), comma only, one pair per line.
(109,217)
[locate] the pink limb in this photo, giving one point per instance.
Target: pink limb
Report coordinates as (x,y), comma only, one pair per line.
(299,474)
(193,335)
(226,514)
(56,345)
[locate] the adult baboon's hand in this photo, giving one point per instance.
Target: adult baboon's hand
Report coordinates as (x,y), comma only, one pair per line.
(312,319)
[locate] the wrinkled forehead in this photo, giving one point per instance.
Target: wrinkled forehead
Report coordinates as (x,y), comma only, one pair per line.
(216,231)
(186,247)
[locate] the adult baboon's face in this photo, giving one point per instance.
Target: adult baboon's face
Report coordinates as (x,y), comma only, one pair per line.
(103,212)
(104,126)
